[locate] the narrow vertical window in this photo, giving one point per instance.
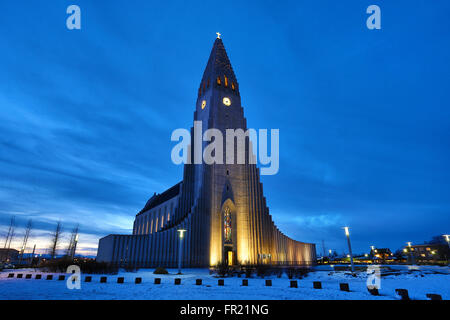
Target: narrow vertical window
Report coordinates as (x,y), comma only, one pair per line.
(226,81)
(227,225)
(232,86)
(218,81)
(207,83)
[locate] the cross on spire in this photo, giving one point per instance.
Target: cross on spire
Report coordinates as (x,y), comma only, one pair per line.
(218,35)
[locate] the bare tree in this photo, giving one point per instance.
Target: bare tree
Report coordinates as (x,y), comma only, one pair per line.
(56,236)
(73,243)
(25,240)
(9,237)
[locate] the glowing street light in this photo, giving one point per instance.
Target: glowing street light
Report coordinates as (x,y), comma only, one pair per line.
(347,233)
(447,238)
(411,253)
(180,248)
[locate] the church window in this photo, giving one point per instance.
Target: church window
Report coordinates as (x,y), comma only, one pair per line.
(200,91)
(219,81)
(227,224)
(207,83)
(156,225)
(162,221)
(232,86)
(226,81)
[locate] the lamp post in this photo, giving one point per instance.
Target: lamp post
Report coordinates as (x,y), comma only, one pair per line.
(413,262)
(347,233)
(447,238)
(180,248)
(372,252)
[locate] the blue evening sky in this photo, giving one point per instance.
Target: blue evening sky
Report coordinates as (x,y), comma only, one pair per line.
(86,116)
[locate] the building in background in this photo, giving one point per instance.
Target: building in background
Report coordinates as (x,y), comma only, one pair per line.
(433,251)
(8,255)
(381,254)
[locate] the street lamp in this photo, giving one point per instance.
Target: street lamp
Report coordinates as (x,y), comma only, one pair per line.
(347,233)
(447,238)
(180,248)
(411,253)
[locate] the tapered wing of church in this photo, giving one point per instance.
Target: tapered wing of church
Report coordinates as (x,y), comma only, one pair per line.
(221,207)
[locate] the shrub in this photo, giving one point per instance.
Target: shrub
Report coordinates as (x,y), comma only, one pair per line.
(290,272)
(222,269)
(160,270)
(248,271)
(262,270)
(88,266)
(130,267)
(301,272)
(279,272)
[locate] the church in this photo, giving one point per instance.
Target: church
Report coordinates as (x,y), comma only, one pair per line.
(218,212)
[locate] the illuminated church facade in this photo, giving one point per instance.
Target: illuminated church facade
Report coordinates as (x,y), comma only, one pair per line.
(221,207)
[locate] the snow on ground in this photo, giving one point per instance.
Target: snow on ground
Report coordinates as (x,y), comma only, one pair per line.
(419,282)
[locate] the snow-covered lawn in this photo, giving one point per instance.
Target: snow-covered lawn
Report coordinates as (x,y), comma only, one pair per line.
(418,282)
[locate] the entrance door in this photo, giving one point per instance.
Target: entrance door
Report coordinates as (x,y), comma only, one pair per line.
(230,258)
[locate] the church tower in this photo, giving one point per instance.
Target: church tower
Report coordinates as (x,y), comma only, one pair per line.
(220,205)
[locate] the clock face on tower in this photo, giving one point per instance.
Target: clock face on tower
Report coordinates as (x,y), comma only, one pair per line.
(226,101)
(203,104)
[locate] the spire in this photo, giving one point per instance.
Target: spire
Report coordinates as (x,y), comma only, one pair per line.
(219,65)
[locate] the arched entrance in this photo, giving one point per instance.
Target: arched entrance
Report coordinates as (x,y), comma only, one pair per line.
(229,232)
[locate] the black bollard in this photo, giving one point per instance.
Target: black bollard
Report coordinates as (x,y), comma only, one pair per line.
(268,283)
(138,280)
(88,279)
(120,280)
(221,282)
(198,282)
(103,279)
(38,277)
(373,291)
(49,277)
(245,282)
(61,277)
(344,287)
(317,285)
(177,281)
(403,293)
(433,296)
(294,284)
(157,280)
